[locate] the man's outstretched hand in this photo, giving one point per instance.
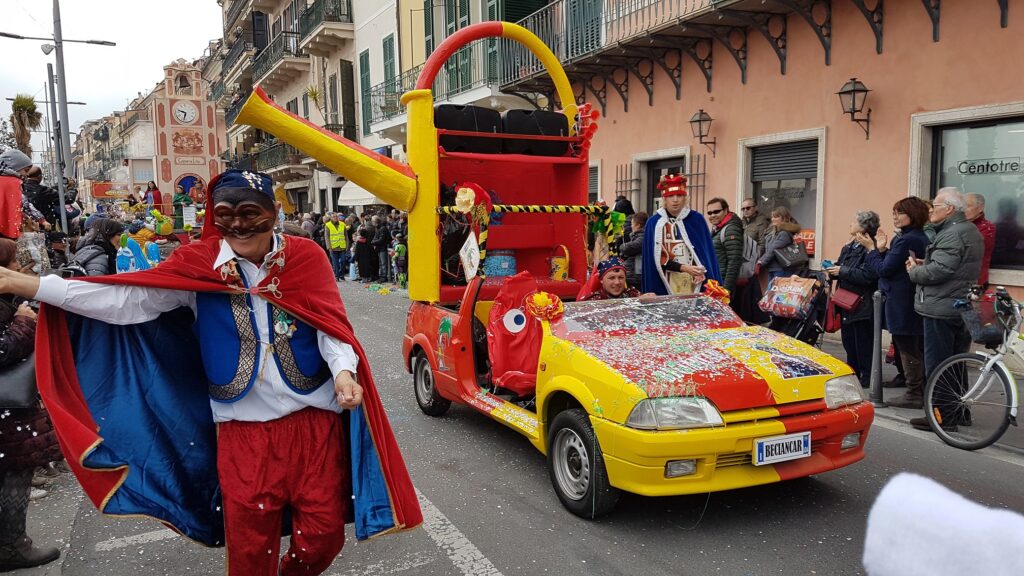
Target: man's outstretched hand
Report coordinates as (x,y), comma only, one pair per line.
(349,392)
(19,284)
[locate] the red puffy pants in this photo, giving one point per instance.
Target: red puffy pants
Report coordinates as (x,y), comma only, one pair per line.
(296,462)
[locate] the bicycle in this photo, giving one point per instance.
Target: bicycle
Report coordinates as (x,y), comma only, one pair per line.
(972,398)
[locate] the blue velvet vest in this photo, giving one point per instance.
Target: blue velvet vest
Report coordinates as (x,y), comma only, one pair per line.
(232,355)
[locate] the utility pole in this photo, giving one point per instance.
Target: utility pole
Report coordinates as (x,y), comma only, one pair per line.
(65,122)
(60,133)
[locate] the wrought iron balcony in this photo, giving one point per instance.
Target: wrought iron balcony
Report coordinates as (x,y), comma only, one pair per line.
(232,112)
(474,66)
(216,91)
(240,48)
(93,171)
(277,156)
(346,130)
(240,161)
(326,26)
(133,117)
(322,11)
(282,49)
(236,9)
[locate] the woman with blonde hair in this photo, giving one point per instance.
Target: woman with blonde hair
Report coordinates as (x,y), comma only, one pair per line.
(781,234)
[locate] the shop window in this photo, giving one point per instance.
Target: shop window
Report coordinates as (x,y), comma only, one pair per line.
(987,159)
(786,175)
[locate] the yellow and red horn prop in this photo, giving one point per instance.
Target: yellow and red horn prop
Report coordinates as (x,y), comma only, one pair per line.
(387,179)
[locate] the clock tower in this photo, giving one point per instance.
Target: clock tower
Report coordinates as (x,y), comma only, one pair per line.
(186,130)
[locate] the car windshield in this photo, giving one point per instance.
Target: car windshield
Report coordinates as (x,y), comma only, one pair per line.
(644,315)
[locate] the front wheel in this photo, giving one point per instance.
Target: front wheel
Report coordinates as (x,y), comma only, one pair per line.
(430,402)
(576,466)
(964,411)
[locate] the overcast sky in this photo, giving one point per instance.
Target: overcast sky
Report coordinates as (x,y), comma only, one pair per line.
(149,34)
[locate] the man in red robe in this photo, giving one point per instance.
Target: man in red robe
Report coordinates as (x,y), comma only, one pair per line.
(273,363)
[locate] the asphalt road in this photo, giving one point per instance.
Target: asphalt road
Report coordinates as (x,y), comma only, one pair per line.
(490,509)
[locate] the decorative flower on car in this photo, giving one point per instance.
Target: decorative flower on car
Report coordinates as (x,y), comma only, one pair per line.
(545,306)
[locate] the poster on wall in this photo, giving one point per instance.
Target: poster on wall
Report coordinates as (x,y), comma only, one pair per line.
(188,216)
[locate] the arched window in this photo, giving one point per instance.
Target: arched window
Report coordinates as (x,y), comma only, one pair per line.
(182,86)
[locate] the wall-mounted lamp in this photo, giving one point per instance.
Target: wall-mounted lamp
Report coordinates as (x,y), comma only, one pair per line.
(852,97)
(701,126)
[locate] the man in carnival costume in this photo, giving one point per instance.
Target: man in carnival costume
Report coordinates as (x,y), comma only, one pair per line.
(678,253)
(223,393)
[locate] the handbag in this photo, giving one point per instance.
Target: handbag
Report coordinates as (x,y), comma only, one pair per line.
(833,320)
(846,299)
(792,256)
(18,384)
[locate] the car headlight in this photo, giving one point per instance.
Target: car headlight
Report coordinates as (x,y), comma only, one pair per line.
(674,414)
(842,391)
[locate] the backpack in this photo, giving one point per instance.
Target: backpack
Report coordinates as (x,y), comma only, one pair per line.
(750,254)
(70,270)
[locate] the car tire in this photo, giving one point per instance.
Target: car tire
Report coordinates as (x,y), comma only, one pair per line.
(430,402)
(576,466)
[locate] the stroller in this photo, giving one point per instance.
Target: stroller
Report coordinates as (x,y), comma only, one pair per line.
(799,314)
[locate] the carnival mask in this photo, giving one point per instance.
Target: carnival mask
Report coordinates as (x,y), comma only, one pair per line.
(243,220)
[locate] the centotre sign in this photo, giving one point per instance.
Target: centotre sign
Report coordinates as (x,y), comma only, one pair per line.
(990,166)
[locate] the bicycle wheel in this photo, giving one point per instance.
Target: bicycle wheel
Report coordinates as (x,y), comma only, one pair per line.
(964,412)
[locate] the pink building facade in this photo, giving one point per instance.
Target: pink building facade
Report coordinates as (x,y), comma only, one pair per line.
(946,105)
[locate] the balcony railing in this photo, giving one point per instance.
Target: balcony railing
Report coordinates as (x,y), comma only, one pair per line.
(236,8)
(232,112)
(346,130)
(324,11)
(474,66)
(286,44)
(240,161)
(93,171)
(216,91)
(277,155)
(239,48)
(132,117)
(574,29)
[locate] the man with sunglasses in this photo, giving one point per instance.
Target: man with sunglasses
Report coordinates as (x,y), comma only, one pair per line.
(727,238)
(755,224)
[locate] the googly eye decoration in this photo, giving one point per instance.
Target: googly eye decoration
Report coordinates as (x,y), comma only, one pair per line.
(514,320)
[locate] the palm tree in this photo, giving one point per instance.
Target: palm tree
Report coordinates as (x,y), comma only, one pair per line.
(24,119)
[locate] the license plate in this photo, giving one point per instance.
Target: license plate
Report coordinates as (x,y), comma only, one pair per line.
(781,448)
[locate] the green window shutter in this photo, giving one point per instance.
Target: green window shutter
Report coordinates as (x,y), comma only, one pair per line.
(450,17)
(492,44)
(516,10)
(305,106)
(463,18)
(428,25)
(389,57)
(364,88)
(348,98)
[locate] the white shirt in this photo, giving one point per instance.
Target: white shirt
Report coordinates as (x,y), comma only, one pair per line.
(269,398)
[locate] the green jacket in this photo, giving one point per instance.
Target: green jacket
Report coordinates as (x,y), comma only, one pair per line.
(728,242)
(951,266)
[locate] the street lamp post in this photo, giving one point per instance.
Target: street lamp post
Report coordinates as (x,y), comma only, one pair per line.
(62,132)
(62,96)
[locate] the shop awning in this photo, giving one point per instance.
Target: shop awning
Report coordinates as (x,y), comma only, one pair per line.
(354,195)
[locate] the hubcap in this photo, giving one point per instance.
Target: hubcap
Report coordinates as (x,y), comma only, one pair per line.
(571,464)
(424,382)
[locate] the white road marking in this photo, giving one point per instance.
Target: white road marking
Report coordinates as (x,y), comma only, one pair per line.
(463,554)
(144,538)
